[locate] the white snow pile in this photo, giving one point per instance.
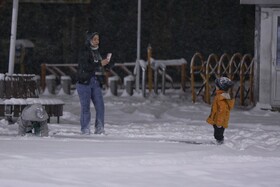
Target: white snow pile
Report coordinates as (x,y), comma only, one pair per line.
(159,141)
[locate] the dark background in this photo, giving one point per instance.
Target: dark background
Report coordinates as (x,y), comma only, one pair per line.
(174,28)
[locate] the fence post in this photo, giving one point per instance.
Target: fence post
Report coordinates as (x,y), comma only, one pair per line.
(183,77)
(163,67)
(2,77)
(207,87)
(196,69)
(143,82)
(242,80)
(150,73)
(252,82)
(43,76)
(192,68)
(143,66)
(156,79)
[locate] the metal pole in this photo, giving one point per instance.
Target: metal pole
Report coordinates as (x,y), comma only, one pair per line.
(138,47)
(150,73)
(144,81)
(156,79)
(163,80)
(13,37)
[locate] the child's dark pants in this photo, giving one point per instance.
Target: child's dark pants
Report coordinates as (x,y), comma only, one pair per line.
(219,133)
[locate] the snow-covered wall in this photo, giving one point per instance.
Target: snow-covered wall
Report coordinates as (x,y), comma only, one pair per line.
(267,72)
(265,56)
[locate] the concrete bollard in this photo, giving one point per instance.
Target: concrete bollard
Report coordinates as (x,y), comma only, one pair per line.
(66,84)
(129,82)
(51,84)
(113,84)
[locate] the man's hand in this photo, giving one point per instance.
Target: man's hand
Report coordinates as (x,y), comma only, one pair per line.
(104,62)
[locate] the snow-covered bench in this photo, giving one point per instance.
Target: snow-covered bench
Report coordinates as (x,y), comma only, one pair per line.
(19,90)
(14,106)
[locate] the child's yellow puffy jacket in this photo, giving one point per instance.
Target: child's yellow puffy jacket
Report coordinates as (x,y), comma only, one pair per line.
(220,110)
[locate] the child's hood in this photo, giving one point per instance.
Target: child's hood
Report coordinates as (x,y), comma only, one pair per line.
(222,95)
(225,96)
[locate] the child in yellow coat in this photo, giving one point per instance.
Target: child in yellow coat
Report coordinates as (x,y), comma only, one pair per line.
(221,107)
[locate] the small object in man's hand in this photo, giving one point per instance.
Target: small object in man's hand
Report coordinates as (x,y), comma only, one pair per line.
(109,55)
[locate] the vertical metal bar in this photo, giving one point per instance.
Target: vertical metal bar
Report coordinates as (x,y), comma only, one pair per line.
(13,37)
(207,85)
(156,80)
(138,47)
(256,68)
(43,76)
(143,82)
(183,76)
(150,73)
(242,80)
(163,81)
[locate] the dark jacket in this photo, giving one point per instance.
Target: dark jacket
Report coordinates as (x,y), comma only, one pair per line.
(89,64)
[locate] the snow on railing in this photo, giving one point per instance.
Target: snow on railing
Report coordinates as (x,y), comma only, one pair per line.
(200,73)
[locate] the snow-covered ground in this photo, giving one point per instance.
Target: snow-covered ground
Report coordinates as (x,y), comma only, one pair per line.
(159,141)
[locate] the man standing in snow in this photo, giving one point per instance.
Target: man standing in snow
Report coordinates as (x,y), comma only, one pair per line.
(33,118)
(221,108)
